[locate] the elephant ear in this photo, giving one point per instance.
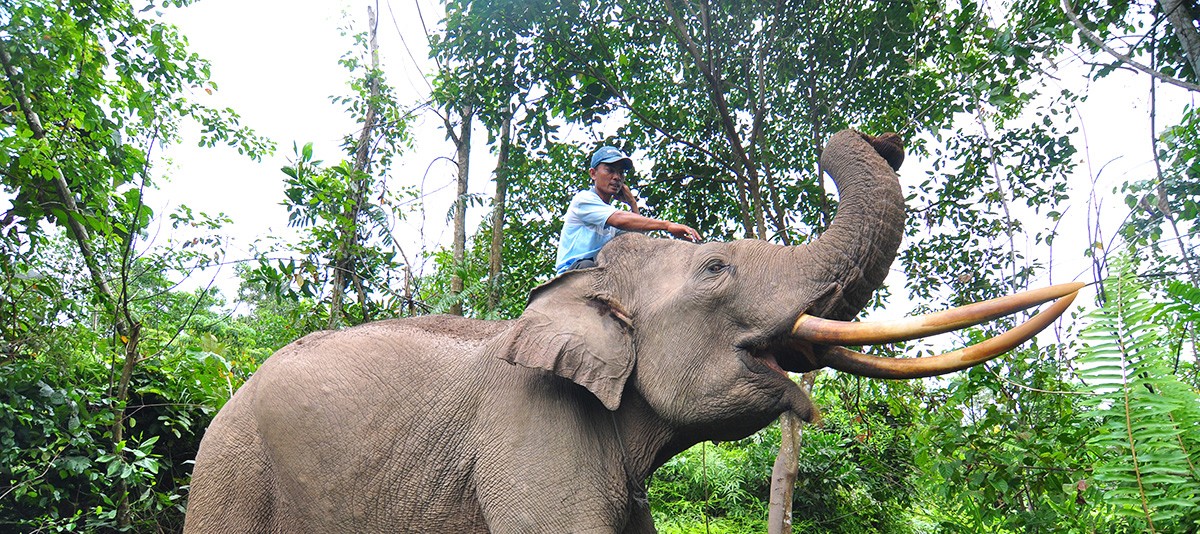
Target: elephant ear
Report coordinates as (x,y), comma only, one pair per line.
(572,329)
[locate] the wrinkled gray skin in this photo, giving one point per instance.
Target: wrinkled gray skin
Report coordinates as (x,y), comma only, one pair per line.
(553,421)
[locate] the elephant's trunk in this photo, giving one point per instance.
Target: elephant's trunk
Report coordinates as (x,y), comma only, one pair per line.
(857,249)
(856,252)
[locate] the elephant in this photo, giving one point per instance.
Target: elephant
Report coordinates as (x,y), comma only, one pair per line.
(553,421)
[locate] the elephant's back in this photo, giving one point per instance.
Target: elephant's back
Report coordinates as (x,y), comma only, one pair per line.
(334,373)
(447,326)
(427,344)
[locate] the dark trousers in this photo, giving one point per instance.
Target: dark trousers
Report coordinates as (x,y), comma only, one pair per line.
(582,264)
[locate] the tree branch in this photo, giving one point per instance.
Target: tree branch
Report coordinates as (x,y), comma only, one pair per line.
(1095,39)
(717,94)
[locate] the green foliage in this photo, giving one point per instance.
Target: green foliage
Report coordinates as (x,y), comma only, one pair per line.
(967,213)
(38,289)
(273,321)
(1138,30)
(857,470)
(999,451)
(1185,304)
(723,486)
(1147,438)
(106,85)
(92,440)
(540,188)
(434,291)
(59,468)
(1163,207)
(320,199)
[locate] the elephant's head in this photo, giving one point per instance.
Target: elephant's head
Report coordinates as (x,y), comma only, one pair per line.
(705,332)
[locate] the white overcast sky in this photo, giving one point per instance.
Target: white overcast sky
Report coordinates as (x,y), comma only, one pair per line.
(276,63)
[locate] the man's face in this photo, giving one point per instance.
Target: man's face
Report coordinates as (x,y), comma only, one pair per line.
(608,179)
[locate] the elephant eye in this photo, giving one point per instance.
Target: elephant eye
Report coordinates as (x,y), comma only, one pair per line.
(716,267)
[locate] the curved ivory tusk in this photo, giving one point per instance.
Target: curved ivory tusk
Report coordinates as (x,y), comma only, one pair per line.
(857,363)
(830,332)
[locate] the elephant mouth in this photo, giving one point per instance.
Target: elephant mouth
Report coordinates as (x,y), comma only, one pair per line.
(779,355)
(814,342)
(768,360)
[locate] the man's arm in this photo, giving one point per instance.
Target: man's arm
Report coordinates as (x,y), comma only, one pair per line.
(632,222)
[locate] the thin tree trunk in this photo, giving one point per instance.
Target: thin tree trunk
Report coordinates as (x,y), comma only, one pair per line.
(498,209)
(744,207)
(748,181)
(460,209)
(118,426)
(1160,191)
(344,257)
(783,474)
(815,125)
(778,213)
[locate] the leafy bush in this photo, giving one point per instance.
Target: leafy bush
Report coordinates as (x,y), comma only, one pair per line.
(716,487)
(59,467)
(1147,438)
(855,475)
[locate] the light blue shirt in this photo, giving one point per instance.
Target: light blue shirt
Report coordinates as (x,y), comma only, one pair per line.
(585,229)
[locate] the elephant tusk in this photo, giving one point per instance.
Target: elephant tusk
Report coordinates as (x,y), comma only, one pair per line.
(860,364)
(830,332)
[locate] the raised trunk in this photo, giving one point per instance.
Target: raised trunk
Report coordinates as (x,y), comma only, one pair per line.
(858,247)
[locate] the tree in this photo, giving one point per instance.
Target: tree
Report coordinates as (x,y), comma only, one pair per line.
(343,261)
(88,91)
(347,209)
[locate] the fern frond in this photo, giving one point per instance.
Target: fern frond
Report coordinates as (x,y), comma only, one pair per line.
(1147,418)
(1186,299)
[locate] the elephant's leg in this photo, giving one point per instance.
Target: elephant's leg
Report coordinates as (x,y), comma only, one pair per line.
(549,461)
(232,488)
(640,520)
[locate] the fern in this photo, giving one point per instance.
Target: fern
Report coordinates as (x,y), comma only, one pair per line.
(1148,420)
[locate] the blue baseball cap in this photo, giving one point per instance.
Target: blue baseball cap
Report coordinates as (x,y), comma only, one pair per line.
(611,154)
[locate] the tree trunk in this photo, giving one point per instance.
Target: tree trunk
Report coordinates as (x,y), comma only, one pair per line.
(783,474)
(118,427)
(460,209)
(344,257)
(1183,24)
(498,208)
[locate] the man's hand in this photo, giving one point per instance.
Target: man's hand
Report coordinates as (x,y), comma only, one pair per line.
(683,231)
(626,196)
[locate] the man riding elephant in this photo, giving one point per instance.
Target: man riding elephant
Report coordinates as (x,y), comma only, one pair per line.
(553,421)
